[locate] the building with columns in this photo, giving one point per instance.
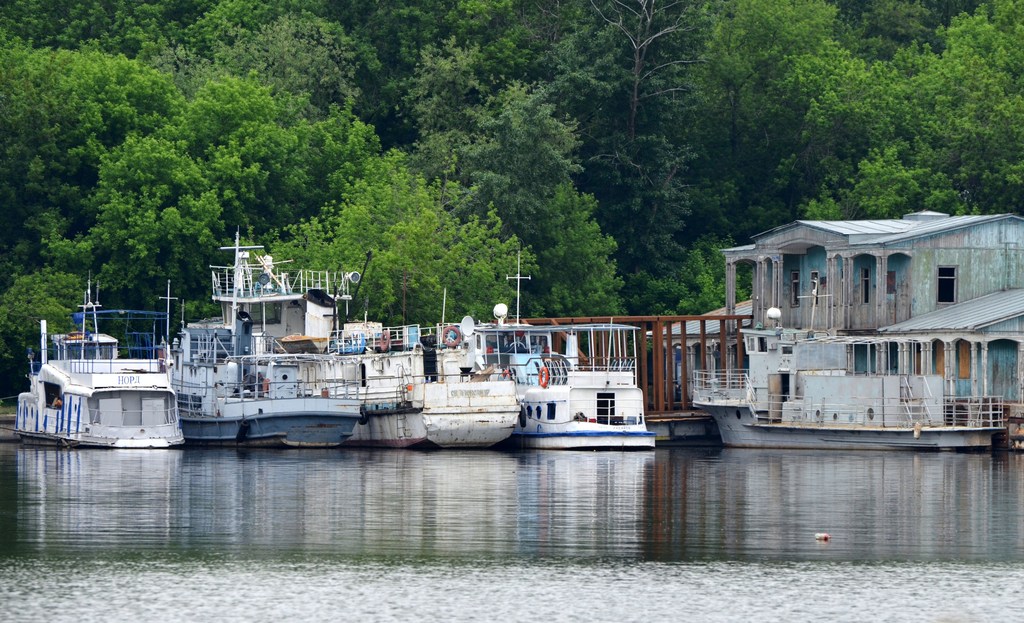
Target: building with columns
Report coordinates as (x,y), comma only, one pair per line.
(947,290)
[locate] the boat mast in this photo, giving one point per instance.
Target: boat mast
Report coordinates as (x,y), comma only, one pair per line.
(168,298)
(519,279)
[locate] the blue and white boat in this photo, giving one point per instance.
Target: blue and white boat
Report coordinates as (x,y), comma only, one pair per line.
(576,384)
(257,375)
(83,393)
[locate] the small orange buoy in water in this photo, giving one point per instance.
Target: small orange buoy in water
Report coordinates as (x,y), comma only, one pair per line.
(822,536)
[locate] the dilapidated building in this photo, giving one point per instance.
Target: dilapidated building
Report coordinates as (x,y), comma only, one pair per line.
(947,290)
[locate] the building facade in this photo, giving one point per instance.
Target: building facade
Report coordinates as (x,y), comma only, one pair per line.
(947,290)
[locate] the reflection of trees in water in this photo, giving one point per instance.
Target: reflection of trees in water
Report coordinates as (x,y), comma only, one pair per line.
(765,503)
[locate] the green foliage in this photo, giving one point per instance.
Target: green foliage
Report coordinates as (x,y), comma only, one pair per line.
(62,113)
(616,145)
(45,295)
(425,263)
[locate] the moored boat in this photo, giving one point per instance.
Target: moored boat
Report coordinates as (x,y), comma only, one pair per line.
(807,390)
(417,392)
(576,383)
(83,393)
(254,376)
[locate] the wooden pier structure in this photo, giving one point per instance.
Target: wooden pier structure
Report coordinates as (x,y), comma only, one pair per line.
(664,365)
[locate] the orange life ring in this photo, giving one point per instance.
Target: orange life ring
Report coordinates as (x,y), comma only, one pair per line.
(543,376)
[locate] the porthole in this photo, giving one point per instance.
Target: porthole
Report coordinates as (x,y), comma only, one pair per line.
(871,413)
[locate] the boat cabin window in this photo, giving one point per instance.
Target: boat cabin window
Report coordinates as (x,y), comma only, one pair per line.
(130,408)
(551,410)
(606,408)
(512,342)
(787,349)
(262,313)
(52,394)
(87,350)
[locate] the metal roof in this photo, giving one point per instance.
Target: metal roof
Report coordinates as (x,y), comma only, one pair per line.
(712,327)
(849,228)
(925,228)
(882,231)
(972,315)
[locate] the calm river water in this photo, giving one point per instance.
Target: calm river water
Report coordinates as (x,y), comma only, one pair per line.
(675,534)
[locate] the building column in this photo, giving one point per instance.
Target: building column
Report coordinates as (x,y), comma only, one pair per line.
(777,281)
(730,287)
(974,370)
(882,267)
(984,369)
(1020,371)
(848,280)
(949,366)
(830,295)
(730,294)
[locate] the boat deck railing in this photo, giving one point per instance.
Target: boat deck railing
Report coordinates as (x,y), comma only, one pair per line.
(988,411)
(711,385)
(254,284)
(191,395)
(984,412)
(558,370)
(108,366)
(395,338)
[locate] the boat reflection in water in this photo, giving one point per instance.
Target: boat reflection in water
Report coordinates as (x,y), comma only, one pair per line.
(70,501)
(354,502)
(668,505)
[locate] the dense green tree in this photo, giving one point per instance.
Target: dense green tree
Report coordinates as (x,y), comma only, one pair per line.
(130,27)
(44,295)
(751,124)
(522,164)
(625,74)
(426,264)
(62,112)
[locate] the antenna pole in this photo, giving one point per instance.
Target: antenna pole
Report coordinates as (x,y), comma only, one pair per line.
(168,298)
(519,280)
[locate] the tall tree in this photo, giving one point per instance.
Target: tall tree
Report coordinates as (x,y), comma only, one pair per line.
(627,76)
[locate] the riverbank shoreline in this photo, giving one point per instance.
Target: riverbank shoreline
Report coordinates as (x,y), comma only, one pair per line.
(7,434)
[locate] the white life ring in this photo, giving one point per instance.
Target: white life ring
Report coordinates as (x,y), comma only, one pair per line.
(452,336)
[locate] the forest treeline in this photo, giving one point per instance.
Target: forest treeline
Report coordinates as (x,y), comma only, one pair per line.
(613,145)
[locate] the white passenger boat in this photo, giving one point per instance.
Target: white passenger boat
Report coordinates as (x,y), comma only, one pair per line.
(255,376)
(806,390)
(576,383)
(417,392)
(83,393)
